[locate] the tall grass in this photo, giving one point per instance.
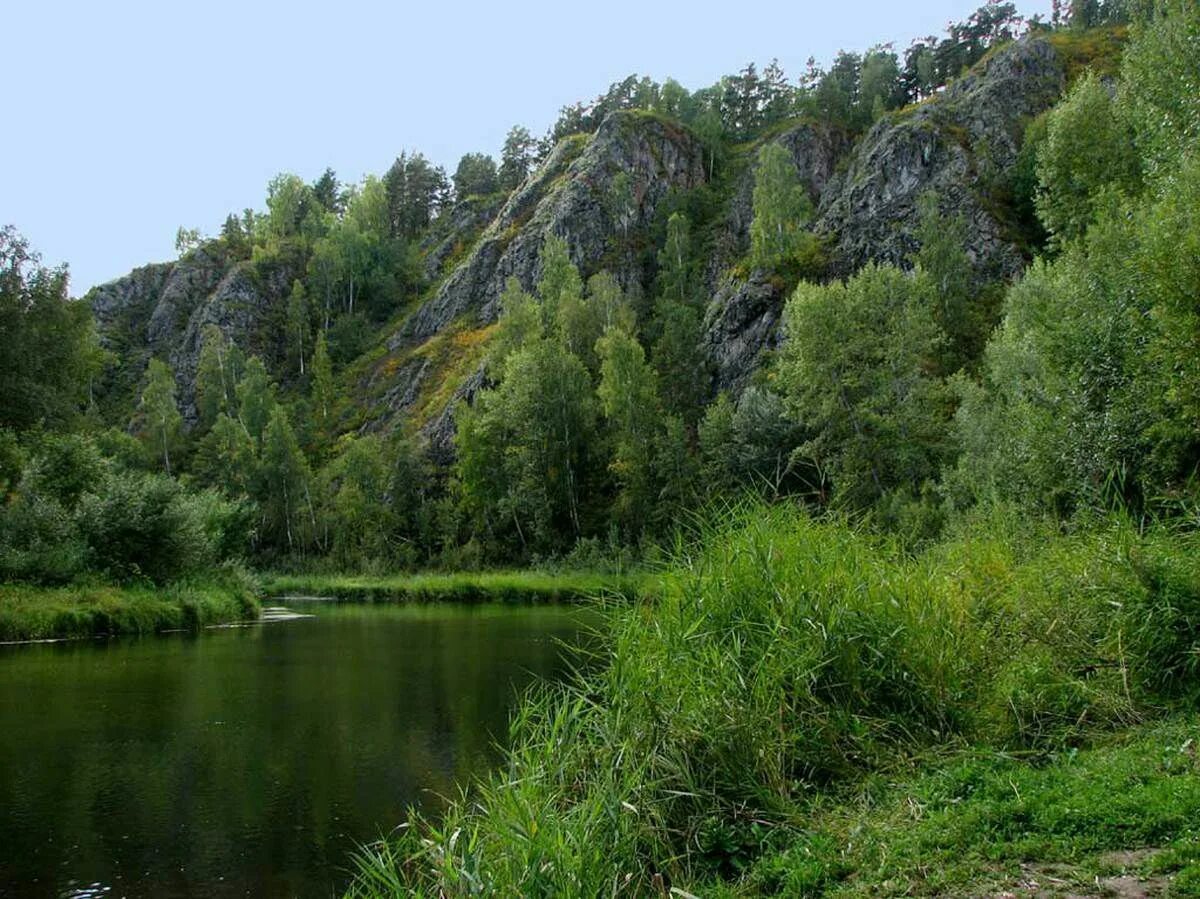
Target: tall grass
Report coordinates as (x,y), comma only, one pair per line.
(789,655)
(30,612)
(468,587)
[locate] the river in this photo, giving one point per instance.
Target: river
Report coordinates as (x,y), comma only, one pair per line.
(252,761)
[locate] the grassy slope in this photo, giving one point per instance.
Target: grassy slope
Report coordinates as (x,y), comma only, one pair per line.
(499,586)
(38,613)
(790,660)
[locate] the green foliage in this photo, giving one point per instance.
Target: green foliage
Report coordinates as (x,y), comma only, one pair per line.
(75,511)
(524,449)
(1086,392)
(1160,87)
(523,586)
(39,613)
(964,309)
(256,399)
(782,209)
(218,370)
(628,393)
(784,654)
(856,375)
(282,487)
(684,371)
(1088,149)
(158,413)
(516,159)
(475,176)
(1117,816)
(322,382)
(148,526)
(559,282)
(49,355)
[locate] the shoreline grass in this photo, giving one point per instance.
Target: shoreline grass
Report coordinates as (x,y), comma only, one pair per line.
(789,661)
(514,586)
(29,612)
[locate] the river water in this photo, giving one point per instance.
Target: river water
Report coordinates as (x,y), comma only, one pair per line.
(252,761)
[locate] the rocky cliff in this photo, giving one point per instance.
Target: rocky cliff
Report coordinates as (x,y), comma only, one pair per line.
(602,192)
(161,310)
(960,143)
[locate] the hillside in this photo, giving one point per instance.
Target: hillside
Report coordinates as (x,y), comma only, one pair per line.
(962,142)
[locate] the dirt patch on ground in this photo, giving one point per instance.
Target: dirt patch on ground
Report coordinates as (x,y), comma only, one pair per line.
(1061,881)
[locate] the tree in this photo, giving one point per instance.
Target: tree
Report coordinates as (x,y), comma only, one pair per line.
(684,371)
(225,457)
(1088,149)
(187,239)
(1160,88)
(355,506)
(676,265)
(159,411)
(328,192)
(475,176)
(322,381)
(415,190)
(628,393)
(520,325)
(49,354)
(945,273)
(256,398)
(292,209)
(621,201)
(283,484)
(299,325)
(559,281)
(781,209)
(855,372)
(879,85)
(516,159)
(524,449)
(216,376)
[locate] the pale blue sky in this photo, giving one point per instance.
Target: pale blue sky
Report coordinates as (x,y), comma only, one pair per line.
(127,119)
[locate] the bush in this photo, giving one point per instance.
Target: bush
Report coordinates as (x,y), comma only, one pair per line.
(140,525)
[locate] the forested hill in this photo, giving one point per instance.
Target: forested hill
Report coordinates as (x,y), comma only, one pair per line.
(837,286)
(402,273)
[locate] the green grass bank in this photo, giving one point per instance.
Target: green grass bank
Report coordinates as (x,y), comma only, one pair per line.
(516,586)
(760,725)
(30,612)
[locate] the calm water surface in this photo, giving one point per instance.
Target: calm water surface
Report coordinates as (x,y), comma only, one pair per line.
(251,762)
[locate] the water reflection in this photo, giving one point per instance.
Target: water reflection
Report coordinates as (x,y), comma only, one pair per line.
(250,761)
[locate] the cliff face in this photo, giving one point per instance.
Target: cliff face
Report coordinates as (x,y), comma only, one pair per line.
(959,143)
(600,193)
(591,191)
(161,310)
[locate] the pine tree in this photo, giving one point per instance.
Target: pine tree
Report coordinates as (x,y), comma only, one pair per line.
(516,159)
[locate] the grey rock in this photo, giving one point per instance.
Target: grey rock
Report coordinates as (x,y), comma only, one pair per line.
(741,321)
(569,196)
(162,310)
(956,143)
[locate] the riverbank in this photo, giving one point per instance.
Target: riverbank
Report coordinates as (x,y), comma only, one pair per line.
(517,586)
(805,709)
(29,612)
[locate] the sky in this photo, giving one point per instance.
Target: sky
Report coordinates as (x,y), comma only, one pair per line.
(127,119)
